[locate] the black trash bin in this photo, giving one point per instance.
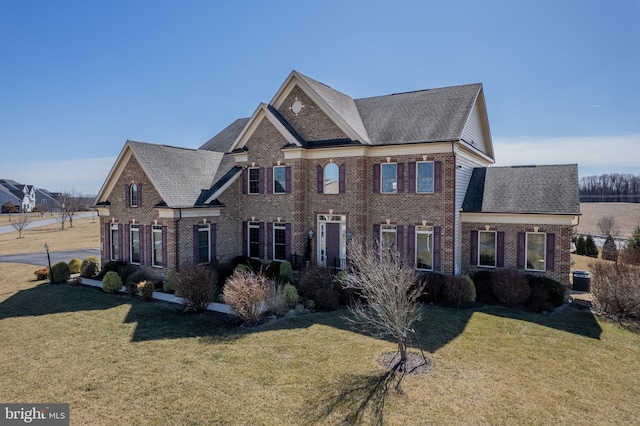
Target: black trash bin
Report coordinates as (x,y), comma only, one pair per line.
(581,281)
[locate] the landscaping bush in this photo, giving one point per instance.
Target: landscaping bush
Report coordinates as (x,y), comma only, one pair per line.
(169,285)
(60,273)
(510,287)
(286,272)
(145,288)
(459,290)
(591,248)
(42,273)
(484,289)
(290,295)
(75,281)
(271,270)
(616,288)
(74,265)
(89,267)
(275,301)
(433,287)
(197,285)
(111,282)
(546,293)
(223,271)
(318,284)
(112,266)
(133,280)
(124,271)
(254,265)
(609,249)
(245,293)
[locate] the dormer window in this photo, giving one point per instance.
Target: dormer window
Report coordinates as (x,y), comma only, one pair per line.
(133,195)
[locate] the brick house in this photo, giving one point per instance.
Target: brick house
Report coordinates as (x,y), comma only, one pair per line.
(314,167)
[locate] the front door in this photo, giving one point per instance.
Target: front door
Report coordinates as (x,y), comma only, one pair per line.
(331,247)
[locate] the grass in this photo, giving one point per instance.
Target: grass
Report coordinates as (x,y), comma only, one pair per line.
(85,233)
(117,360)
(627,216)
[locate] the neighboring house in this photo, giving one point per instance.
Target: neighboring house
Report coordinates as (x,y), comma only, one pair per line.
(314,165)
(26,194)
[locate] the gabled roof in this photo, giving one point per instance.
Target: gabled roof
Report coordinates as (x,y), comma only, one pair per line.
(222,141)
(433,115)
(178,174)
(524,189)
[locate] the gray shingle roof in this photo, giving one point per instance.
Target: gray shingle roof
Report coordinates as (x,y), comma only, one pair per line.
(223,140)
(178,174)
(421,116)
(524,189)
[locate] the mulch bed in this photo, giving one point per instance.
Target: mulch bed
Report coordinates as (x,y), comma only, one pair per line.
(416,364)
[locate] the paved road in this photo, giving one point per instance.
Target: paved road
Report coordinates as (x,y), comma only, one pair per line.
(43,222)
(56,256)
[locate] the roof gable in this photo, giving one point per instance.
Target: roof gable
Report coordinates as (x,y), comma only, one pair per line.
(264,112)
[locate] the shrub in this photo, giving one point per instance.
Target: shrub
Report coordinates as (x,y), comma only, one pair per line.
(124,271)
(112,266)
(591,248)
(60,273)
(609,249)
(546,293)
(270,270)
(484,289)
(616,288)
(223,271)
(629,255)
(197,285)
(433,286)
(111,282)
(132,281)
(254,264)
(42,273)
(146,290)
(74,265)
(581,246)
(89,267)
(275,302)
(318,284)
(286,272)
(245,293)
(290,295)
(510,287)
(75,281)
(459,290)
(169,285)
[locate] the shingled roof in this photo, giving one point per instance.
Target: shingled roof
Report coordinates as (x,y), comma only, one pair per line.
(524,189)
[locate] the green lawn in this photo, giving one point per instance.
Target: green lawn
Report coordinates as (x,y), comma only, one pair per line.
(117,360)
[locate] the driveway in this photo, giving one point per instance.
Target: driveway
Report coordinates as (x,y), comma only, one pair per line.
(56,256)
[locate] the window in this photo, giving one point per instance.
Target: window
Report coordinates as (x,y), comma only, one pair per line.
(254,240)
(424,177)
(389,178)
(133,195)
(331,179)
(536,248)
(487,248)
(134,234)
(279,180)
(157,250)
(114,242)
(254,180)
(279,241)
(388,235)
(204,249)
(424,248)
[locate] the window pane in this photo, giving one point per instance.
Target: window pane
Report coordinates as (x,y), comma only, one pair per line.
(203,245)
(424,250)
(254,181)
(279,243)
(254,241)
(424,175)
(389,177)
(331,179)
(388,235)
(279,180)
(114,244)
(535,251)
(157,247)
(135,244)
(134,195)
(487,248)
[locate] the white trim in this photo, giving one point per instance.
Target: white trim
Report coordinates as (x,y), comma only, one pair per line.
(223,188)
(495,249)
(367,151)
(204,227)
(520,219)
(169,213)
(544,251)
(103,211)
(259,114)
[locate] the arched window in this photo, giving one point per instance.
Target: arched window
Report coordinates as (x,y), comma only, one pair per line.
(133,195)
(331,179)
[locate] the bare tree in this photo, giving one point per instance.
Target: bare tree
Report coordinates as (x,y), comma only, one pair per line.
(72,202)
(21,223)
(608,225)
(389,291)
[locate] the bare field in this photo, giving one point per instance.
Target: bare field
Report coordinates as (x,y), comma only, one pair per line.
(627,216)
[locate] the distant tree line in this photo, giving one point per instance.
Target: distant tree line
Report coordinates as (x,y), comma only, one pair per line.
(613,187)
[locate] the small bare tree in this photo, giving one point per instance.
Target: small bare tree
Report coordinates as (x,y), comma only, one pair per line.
(389,292)
(20,224)
(608,226)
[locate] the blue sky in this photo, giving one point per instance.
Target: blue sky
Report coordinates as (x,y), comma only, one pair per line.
(79,78)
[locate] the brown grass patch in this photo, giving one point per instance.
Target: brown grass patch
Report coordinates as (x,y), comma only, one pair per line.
(85,233)
(627,217)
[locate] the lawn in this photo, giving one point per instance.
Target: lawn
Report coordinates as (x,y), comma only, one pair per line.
(117,360)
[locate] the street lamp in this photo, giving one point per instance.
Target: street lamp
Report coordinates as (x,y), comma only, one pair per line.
(46,247)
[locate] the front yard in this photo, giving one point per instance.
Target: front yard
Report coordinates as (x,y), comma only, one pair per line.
(117,360)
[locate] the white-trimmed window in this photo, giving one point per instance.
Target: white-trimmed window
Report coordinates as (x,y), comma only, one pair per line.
(157,249)
(115,241)
(331,179)
(536,249)
(134,239)
(389,178)
(254,240)
(279,241)
(133,195)
(424,248)
(279,179)
(254,180)
(487,248)
(388,235)
(424,177)
(204,246)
